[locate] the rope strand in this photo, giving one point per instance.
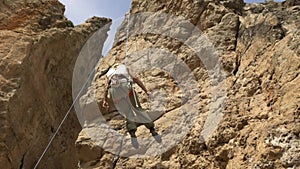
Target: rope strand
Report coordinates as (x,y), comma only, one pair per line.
(116,157)
(76,98)
(126,55)
(67,114)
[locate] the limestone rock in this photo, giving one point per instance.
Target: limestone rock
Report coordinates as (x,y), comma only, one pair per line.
(38,50)
(258,47)
(224,77)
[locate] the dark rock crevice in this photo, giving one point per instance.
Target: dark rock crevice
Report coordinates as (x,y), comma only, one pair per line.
(22,162)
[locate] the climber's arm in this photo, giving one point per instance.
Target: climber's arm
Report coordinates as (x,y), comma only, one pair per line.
(139,82)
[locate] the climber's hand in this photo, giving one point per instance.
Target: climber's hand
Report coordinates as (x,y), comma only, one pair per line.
(105,104)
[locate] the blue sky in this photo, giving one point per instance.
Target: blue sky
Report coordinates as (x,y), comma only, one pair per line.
(80,10)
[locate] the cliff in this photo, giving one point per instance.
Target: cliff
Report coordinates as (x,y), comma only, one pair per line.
(223,76)
(224,81)
(39,47)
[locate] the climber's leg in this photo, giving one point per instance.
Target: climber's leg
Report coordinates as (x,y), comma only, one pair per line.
(131,127)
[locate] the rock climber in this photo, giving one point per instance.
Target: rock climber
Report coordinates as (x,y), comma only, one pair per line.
(119,81)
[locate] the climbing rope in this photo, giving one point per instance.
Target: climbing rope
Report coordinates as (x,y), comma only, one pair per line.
(126,55)
(127,34)
(66,115)
(117,155)
(76,98)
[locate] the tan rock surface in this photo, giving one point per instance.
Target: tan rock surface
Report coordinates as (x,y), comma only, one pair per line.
(253,97)
(38,49)
(258,46)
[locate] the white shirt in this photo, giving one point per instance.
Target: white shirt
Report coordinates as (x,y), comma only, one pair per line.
(119,70)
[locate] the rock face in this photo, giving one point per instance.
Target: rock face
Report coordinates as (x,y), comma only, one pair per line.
(258,117)
(39,47)
(224,77)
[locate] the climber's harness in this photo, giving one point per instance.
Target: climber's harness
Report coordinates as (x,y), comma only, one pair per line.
(115,82)
(117,79)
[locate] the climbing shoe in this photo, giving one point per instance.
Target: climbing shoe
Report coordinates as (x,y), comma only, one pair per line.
(153,132)
(132,134)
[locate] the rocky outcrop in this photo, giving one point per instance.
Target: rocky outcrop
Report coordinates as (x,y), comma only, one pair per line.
(257,114)
(224,77)
(39,47)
